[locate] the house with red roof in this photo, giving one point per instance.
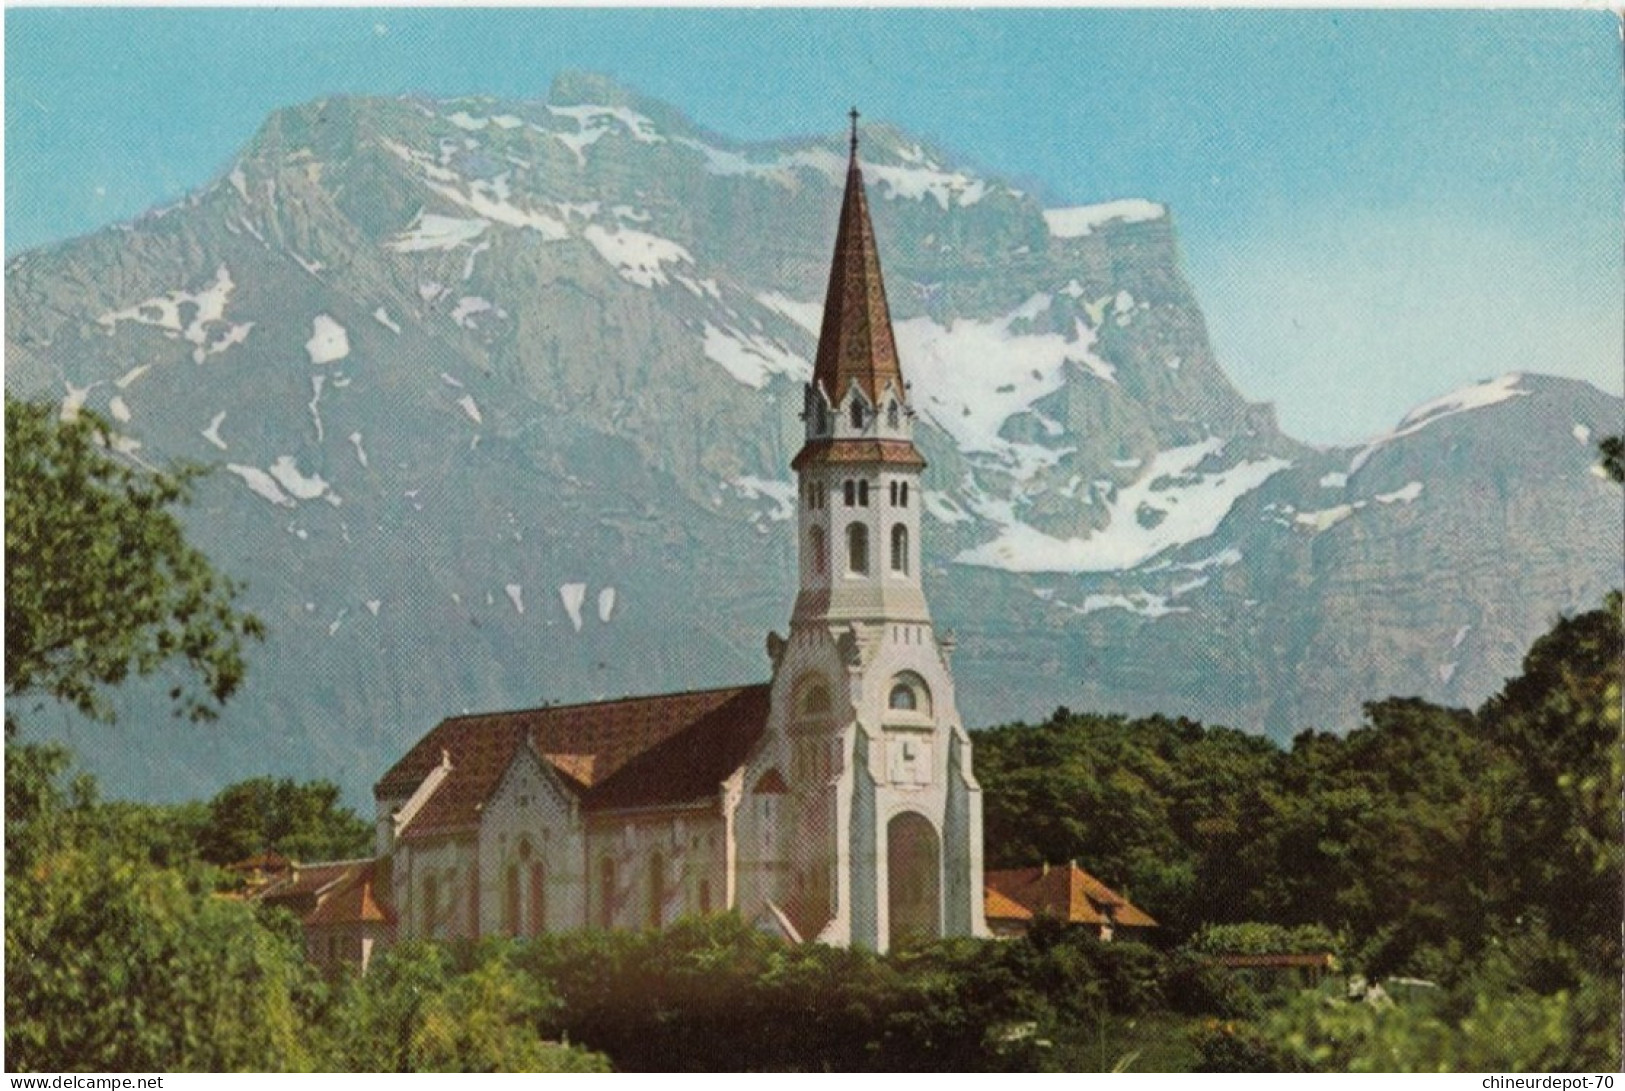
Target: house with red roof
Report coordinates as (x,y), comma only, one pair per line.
(1016,897)
(833,802)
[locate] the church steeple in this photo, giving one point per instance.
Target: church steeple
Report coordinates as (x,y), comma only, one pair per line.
(859,470)
(855,343)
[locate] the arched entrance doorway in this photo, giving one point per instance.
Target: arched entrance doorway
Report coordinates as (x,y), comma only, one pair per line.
(913,879)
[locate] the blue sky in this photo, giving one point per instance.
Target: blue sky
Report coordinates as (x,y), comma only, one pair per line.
(1374,207)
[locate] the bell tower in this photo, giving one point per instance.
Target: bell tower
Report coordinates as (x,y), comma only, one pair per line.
(858,469)
(858,819)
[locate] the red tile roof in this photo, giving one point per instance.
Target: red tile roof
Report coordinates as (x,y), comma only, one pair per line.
(634,752)
(353,901)
(1000,908)
(306,883)
(895,452)
(1068,893)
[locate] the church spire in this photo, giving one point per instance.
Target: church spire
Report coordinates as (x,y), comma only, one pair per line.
(855,343)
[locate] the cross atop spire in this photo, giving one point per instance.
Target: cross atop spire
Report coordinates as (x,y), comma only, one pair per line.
(853,114)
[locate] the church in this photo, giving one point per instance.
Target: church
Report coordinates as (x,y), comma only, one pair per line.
(834,802)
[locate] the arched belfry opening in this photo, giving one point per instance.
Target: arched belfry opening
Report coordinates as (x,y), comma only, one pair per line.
(913,879)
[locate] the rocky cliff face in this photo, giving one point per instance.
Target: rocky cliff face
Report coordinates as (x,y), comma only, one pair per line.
(503,397)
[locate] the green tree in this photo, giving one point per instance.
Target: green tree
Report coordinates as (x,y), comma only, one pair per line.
(1613,457)
(418,1011)
(1163,810)
(100,581)
(113,963)
(301,821)
(1559,722)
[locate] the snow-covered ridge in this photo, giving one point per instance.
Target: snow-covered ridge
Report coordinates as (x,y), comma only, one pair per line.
(917,178)
(1072,223)
(1468,398)
(919,182)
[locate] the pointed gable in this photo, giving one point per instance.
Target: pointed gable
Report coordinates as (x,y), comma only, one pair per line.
(855,343)
(353,901)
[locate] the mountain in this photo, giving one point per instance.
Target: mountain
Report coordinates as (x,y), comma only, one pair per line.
(503,397)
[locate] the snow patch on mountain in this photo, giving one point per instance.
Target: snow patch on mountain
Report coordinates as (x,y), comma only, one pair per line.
(385,321)
(594,122)
(209,309)
(212,432)
(636,255)
(315,405)
(285,470)
(484,200)
(262,484)
(917,183)
(972,376)
(606,604)
(123,381)
(587,116)
(360,451)
(488,199)
(1327,518)
(1464,400)
(781,493)
(729,164)
(1072,223)
(701,288)
(809,316)
(1172,504)
(1582,434)
(572,595)
(516,595)
(74,401)
(474,252)
(469,306)
(753,360)
(308,265)
(945,508)
(1400,496)
(329,341)
(119,409)
(433,232)
(472,408)
(1143,603)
